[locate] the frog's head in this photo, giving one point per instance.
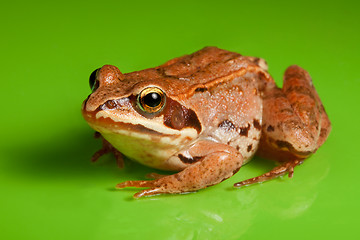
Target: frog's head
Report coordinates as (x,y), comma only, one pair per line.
(138,117)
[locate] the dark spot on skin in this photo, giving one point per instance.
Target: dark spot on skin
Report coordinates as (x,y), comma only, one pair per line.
(249,148)
(227,125)
(290,147)
(236,170)
(237,148)
(315,122)
(284,144)
(178,117)
(189,160)
(257,124)
(270,128)
(283,150)
(323,132)
(201,89)
(245,130)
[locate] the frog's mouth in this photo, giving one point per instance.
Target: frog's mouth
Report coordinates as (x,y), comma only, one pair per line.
(127,123)
(106,124)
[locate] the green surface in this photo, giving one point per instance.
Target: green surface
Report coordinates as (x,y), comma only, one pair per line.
(50,190)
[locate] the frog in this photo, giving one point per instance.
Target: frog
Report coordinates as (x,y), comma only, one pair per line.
(203,116)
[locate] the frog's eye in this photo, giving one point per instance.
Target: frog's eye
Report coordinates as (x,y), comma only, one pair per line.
(94,83)
(151,100)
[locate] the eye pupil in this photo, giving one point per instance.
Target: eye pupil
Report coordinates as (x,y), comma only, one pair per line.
(152,99)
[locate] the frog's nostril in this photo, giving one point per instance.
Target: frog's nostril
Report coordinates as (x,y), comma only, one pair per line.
(94,83)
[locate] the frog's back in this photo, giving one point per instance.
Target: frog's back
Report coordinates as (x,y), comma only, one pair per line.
(188,74)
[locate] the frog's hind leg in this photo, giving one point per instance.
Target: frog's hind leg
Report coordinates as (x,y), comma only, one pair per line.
(306,103)
(107,148)
(295,124)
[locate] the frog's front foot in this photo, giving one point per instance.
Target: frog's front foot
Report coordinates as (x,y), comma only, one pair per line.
(107,148)
(154,189)
(215,163)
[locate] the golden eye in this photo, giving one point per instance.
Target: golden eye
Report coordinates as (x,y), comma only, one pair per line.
(151,100)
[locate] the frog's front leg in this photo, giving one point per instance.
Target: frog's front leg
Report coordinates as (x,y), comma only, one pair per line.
(295,123)
(107,148)
(208,163)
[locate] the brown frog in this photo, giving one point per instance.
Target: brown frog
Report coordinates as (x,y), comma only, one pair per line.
(205,115)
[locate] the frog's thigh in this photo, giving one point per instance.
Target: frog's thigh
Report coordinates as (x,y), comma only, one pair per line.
(215,163)
(295,124)
(306,102)
(294,120)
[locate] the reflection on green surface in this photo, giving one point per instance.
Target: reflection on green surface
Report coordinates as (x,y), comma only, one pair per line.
(50,190)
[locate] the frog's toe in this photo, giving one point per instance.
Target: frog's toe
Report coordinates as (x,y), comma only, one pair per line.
(107,148)
(149,192)
(287,167)
(153,188)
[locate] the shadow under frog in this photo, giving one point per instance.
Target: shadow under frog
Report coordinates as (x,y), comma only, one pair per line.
(64,158)
(233,210)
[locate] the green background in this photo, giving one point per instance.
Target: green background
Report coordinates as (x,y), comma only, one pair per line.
(49,188)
